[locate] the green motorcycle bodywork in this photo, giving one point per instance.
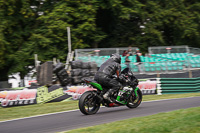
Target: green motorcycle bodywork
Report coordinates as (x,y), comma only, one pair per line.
(96,85)
(99,87)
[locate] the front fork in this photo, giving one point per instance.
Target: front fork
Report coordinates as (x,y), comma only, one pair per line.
(135,91)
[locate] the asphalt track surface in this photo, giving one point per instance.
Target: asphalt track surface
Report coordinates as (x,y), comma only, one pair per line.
(75,119)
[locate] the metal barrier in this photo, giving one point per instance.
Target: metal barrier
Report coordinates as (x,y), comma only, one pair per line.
(174,59)
(168,49)
(152,66)
(177,85)
(101,51)
(195,51)
(161,67)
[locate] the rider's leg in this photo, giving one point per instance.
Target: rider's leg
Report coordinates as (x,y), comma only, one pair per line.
(107,95)
(115,85)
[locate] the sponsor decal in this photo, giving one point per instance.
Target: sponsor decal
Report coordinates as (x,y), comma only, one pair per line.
(147,87)
(18,97)
(32,81)
(168,48)
(77,91)
(43,95)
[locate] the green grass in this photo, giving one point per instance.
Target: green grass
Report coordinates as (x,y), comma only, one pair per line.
(168,96)
(38,109)
(179,121)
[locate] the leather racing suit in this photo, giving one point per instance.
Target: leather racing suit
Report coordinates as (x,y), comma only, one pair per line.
(107,71)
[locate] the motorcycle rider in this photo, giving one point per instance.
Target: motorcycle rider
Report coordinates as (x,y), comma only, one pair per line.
(109,75)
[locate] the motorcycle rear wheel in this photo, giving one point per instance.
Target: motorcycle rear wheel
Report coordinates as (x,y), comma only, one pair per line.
(134,101)
(88,104)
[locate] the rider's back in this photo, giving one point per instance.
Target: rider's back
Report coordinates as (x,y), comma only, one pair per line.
(109,67)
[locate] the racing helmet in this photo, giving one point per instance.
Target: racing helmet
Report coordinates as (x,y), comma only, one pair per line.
(116,57)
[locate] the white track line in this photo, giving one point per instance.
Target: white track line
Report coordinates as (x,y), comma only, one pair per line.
(168,99)
(78,109)
(39,115)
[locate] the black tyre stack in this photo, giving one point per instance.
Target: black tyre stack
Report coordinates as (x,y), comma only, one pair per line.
(76,71)
(79,71)
(62,74)
(82,70)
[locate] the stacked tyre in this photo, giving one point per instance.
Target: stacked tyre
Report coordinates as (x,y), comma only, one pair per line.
(62,74)
(79,71)
(82,70)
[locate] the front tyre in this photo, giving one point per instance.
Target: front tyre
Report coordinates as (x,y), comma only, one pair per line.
(134,101)
(88,104)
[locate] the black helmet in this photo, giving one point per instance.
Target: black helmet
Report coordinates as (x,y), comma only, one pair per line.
(116,57)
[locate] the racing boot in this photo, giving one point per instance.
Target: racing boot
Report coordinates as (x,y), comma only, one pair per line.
(107,95)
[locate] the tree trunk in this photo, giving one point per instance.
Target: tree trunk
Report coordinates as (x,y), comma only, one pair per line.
(22,83)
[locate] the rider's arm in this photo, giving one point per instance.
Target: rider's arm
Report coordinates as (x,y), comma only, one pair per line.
(118,73)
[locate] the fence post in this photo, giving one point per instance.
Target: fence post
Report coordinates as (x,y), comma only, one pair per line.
(76,53)
(158,74)
(166,67)
(187,49)
(117,50)
(190,74)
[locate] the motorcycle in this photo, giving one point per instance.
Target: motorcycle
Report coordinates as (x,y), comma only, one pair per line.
(129,94)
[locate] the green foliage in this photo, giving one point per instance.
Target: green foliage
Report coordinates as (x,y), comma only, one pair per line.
(168,22)
(29,27)
(15,27)
(51,34)
(171,22)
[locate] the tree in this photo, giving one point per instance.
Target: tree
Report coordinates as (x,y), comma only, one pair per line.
(15,27)
(147,23)
(120,20)
(50,38)
(29,27)
(171,22)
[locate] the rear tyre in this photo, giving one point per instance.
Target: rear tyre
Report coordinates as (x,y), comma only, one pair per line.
(133,101)
(88,103)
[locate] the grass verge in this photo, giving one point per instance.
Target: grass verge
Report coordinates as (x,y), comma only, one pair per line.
(38,109)
(179,121)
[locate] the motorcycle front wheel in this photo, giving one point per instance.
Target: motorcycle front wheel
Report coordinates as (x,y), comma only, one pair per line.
(88,104)
(134,101)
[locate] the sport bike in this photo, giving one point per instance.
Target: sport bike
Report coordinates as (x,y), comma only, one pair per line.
(129,94)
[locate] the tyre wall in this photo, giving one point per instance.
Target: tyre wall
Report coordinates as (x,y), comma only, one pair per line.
(79,71)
